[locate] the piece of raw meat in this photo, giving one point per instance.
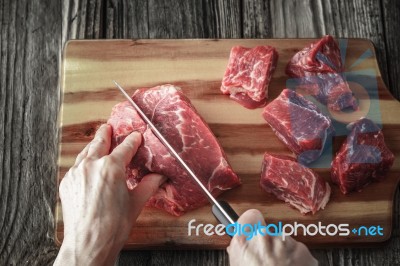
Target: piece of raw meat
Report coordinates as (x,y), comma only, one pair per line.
(362,158)
(248,74)
(299,124)
(319,69)
(178,121)
(294,183)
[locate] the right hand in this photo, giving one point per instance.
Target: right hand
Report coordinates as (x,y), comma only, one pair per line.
(266,250)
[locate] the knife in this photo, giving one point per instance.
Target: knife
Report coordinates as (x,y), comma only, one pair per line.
(222,211)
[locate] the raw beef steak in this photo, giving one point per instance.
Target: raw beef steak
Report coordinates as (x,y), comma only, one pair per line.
(319,68)
(176,118)
(299,124)
(248,74)
(362,158)
(293,183)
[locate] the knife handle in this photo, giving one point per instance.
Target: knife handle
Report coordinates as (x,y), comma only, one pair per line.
(229,211)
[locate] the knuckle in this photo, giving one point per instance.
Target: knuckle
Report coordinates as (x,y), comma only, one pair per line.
(234,241)
(86,161)
(251,215)
(112,165)
(84,167)
(130,145)
(133,139)
(253,212)
(100,140)
(110,161)
(63,188)
(238,242)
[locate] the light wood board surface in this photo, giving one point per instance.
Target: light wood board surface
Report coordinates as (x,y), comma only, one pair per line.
(197,66)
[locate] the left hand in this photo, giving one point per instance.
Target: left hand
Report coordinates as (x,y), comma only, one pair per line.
(98,208)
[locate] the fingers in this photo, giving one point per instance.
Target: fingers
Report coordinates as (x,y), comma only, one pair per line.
(100,145)
(251,217)
(125,151)
(82,154)
(144,190)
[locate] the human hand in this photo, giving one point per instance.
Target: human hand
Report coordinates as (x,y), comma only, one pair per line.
(98,208)
(266,250)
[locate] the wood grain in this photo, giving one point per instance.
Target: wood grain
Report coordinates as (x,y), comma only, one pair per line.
(30,46)
(256,19)
(347,19)
(391,23)
(82,19)
(101,19)
(90,66)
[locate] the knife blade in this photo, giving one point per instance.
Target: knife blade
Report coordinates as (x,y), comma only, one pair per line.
(222,211)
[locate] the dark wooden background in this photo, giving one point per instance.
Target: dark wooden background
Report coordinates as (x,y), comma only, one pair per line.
(32,36)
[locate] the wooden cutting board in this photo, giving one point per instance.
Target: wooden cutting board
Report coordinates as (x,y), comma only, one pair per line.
(197,66)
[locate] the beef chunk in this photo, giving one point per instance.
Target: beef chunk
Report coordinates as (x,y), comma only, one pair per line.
(293,183)
(319,68)
(363,157)
(178,121)
(299,124)
(248,75)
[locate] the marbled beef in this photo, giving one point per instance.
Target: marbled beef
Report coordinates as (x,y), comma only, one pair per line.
(293,183)
(363,157)
(178,121)
(320,72)
(299,124)
(248,74)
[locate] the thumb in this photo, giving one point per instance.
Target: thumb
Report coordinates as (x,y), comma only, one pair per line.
(251,217)
(146,188)
(125,151)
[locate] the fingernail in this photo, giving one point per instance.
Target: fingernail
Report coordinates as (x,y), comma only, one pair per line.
(131,183)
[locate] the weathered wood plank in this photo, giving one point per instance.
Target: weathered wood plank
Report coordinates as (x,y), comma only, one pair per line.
(82,19)
(358,19)
(194,19)
(30,45)
(35,91)
(256,19)
(391,19)
(126,19)
(172,19)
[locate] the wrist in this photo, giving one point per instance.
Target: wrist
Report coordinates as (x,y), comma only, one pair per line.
(80,252)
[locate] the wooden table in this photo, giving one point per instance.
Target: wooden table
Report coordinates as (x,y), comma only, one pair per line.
(32,36)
